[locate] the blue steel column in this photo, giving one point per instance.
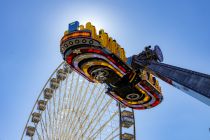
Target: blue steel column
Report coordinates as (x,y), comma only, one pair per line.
(193,83)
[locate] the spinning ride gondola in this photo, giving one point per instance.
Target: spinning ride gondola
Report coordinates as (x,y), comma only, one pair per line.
(100,59)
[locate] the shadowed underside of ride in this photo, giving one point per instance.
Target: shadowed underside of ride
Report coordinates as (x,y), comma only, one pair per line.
(100,59)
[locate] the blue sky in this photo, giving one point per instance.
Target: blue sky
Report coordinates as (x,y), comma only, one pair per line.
(29,52)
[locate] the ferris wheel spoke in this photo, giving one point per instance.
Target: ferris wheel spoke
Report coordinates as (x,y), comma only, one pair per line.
(63,103)
(48,108)
(105,107)
(71,107)
(77,109)
(103,126)
(79,123)
(95,125)
(53,118)
(49,125)
(86,105)
(91,121)
(114,137)
(42,130)
(84,110)
(74,95)
(112,133)
(98,121)
(66,113)
(65,91)
(38,135)
(58,115)
(99,99)
(75,91)
(67,118)
(100,93)
(44,125)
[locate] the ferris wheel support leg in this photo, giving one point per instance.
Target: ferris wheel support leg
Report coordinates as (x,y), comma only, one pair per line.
(120,124)
(193,83)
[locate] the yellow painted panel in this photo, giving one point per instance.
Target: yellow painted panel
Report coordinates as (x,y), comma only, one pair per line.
(109,46)
(93,30)
(66,32)
(88,26)
(81,27)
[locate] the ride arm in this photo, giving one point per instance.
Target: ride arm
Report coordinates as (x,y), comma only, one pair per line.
(193,83)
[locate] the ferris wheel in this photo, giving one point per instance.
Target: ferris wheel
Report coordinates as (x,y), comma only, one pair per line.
(70,107)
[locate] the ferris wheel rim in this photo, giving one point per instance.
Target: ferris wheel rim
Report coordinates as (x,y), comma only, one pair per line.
(39,97)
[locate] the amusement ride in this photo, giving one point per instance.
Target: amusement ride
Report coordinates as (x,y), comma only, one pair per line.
(94,92)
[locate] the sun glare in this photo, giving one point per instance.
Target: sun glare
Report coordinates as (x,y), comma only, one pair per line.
(98,15)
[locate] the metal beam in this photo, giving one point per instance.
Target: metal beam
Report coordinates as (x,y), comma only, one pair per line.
(193,83)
